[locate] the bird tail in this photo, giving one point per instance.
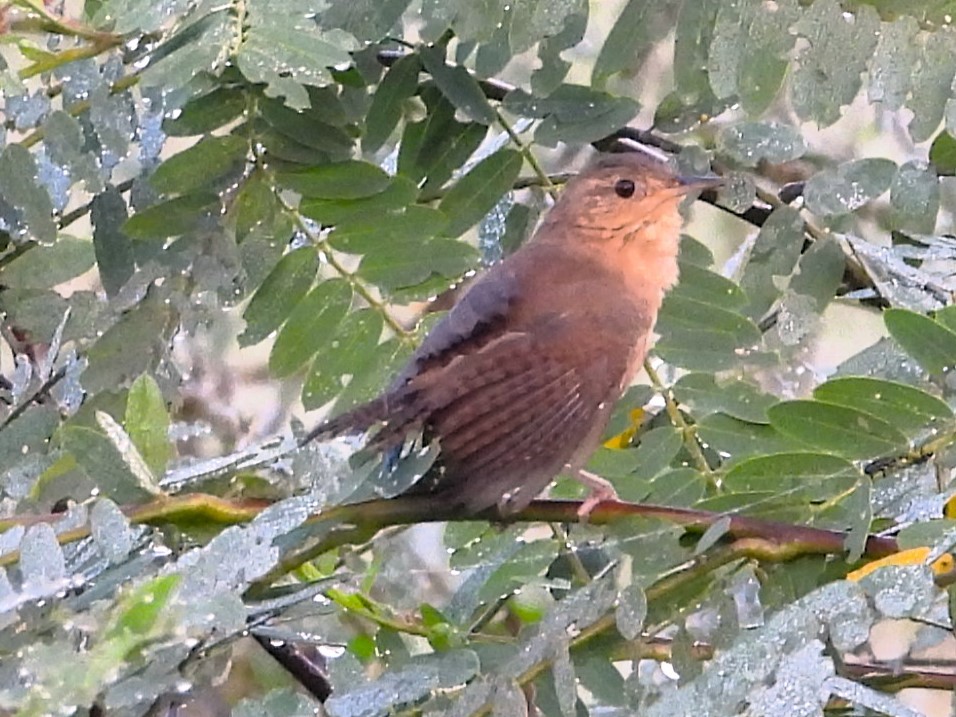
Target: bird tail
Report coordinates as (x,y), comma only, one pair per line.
(357,420)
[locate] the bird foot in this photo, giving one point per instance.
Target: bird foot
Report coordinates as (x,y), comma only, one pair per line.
(600,491)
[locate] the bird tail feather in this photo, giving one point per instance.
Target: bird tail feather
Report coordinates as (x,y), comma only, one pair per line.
(357,420)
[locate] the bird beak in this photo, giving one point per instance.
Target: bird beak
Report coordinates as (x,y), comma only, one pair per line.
(690,183)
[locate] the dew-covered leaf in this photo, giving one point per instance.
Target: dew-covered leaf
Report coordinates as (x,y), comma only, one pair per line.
(367,20)
(313,322)
(837,429)
(399,83)
(791,476)
(289,49)
(914,196)
(278,295)
(828,70)
(747,58)
(929,342)
(132,346)
(110,530)
(407,685)
(475,194)
(41,558)
(891,67)
(44,267)
(775,253)
(931,80)
(736,397)
(751,142)
(201,165)
(341,180)
(572,113)
(201,46)
(19,188)
(908,408)
(343,358)
(847,187)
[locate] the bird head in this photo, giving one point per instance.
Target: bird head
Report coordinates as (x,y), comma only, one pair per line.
(623,197)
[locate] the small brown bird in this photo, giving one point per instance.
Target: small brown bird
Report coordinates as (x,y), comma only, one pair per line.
(518,380)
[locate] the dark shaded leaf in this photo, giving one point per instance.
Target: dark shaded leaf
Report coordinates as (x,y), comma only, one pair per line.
(278,295)
(201,165)
(342,180)
(736,398)
(458,85)
(172,218)
(313,322)
(399,83)
(207,113)
(477,192)
(344,358)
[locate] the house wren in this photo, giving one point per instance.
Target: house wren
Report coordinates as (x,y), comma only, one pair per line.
(518,380)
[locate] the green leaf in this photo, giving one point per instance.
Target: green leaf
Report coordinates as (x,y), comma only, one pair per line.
(140,609)
(786,474)
(751,142)
(736,397)
(734,439)
(173,217)
(147,423)
(207,113)
(341,180)
(908,408)
(836,429)
(701,336)
(19,188)
(256,209)
(367,20)
(837,48)
(403,264)
(372,234)
(344,358)
(849,186)
(699,284)
(103,464)
(435,147)
(399,83)
(313,321)
(930,343)
(942,153)
(475,194)
(458,85)
(44,267)
(306,129)
(201,165)
(278,295)
(399,193)
(632,37)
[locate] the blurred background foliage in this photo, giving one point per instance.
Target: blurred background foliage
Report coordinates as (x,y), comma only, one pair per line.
(216,215)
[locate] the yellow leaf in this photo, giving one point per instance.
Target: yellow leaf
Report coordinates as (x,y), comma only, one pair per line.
(624,438)
(914,556)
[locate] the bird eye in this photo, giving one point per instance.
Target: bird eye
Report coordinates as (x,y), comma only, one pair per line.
(624,188)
